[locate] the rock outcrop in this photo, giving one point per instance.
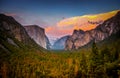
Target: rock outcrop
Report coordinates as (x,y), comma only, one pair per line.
(80,38)
(12,32)
(9,25)
(60,43)
(38,35)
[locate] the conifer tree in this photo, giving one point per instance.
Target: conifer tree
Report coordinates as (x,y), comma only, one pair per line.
(94,62)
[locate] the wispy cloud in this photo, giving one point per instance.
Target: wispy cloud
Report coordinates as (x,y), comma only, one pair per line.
(66,26)
(81,22)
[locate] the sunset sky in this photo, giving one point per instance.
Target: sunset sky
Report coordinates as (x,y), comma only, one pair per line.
(59,17)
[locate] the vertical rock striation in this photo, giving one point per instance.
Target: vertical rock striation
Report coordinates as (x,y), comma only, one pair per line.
(38,34)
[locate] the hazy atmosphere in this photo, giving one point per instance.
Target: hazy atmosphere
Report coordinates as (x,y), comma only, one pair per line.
(48,13)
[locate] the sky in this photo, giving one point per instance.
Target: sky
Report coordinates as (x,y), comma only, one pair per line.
(48,13)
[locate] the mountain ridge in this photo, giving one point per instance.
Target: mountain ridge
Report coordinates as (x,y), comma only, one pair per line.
(102,31)
(60,43)
(13,36)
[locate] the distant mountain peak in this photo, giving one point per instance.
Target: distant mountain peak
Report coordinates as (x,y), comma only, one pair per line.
(60,43)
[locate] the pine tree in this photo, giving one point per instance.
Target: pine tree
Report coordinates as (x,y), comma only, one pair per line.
(94,55)
(94,62)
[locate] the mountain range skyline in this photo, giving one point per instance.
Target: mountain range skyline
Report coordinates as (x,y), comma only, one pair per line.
(66,26)
(50,14)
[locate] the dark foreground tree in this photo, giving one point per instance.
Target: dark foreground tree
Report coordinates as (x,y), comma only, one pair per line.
(95,67)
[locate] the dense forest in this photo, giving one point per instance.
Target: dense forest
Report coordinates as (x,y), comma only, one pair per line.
(92,62)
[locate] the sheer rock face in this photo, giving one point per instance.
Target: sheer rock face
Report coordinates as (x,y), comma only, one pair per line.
(80,38)
(48,45)
(38,35)
(10,28)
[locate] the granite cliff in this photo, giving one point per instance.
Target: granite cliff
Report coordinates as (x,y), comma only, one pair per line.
(80,38)
(13,34)
(38,35)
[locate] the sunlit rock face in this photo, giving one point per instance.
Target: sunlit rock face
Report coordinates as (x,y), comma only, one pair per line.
(102,31)
(38,34)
